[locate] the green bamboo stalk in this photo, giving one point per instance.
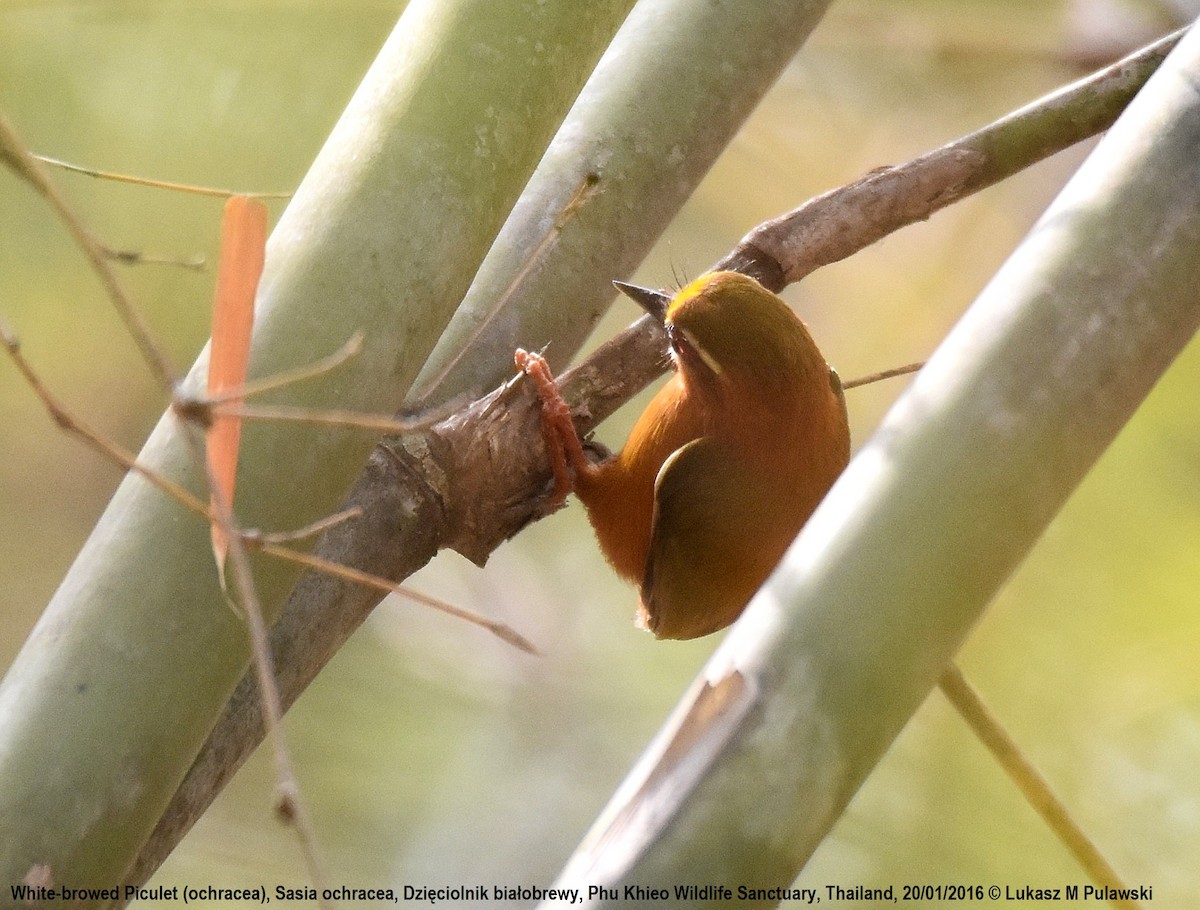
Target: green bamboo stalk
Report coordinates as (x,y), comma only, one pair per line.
(128,668)
(885,582)
(660,71)
(663,103)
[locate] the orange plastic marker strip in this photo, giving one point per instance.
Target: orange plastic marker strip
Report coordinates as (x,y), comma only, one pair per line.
(243,242)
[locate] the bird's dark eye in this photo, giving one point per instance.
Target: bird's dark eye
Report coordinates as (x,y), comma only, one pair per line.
(686,350)
(677,339)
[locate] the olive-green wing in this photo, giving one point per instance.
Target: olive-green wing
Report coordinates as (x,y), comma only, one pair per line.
(706,551)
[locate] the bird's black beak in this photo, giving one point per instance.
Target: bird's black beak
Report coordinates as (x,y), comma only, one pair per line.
(653,302)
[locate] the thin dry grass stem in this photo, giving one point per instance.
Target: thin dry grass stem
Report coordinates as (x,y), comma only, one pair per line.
(351,348)
(290,804)
(500,630)
(583,192)
(195,262)
(230,402)
(334,418)
(247,597)
(15,154)
(151,182)
(267,541)
(219,510)
(315,529)
(72,425)
(1029,780)
(882,375)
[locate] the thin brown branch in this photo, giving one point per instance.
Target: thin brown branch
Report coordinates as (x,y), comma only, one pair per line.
(473,480)
(837,224)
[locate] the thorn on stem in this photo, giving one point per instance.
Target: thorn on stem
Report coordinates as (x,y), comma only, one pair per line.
(193,410)
(285,803)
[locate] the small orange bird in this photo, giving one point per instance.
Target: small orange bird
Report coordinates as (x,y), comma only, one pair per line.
(725,465)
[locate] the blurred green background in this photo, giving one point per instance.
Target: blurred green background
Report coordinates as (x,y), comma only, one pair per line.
(429,752)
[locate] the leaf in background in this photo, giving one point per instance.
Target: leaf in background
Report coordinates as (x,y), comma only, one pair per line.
(243,240)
